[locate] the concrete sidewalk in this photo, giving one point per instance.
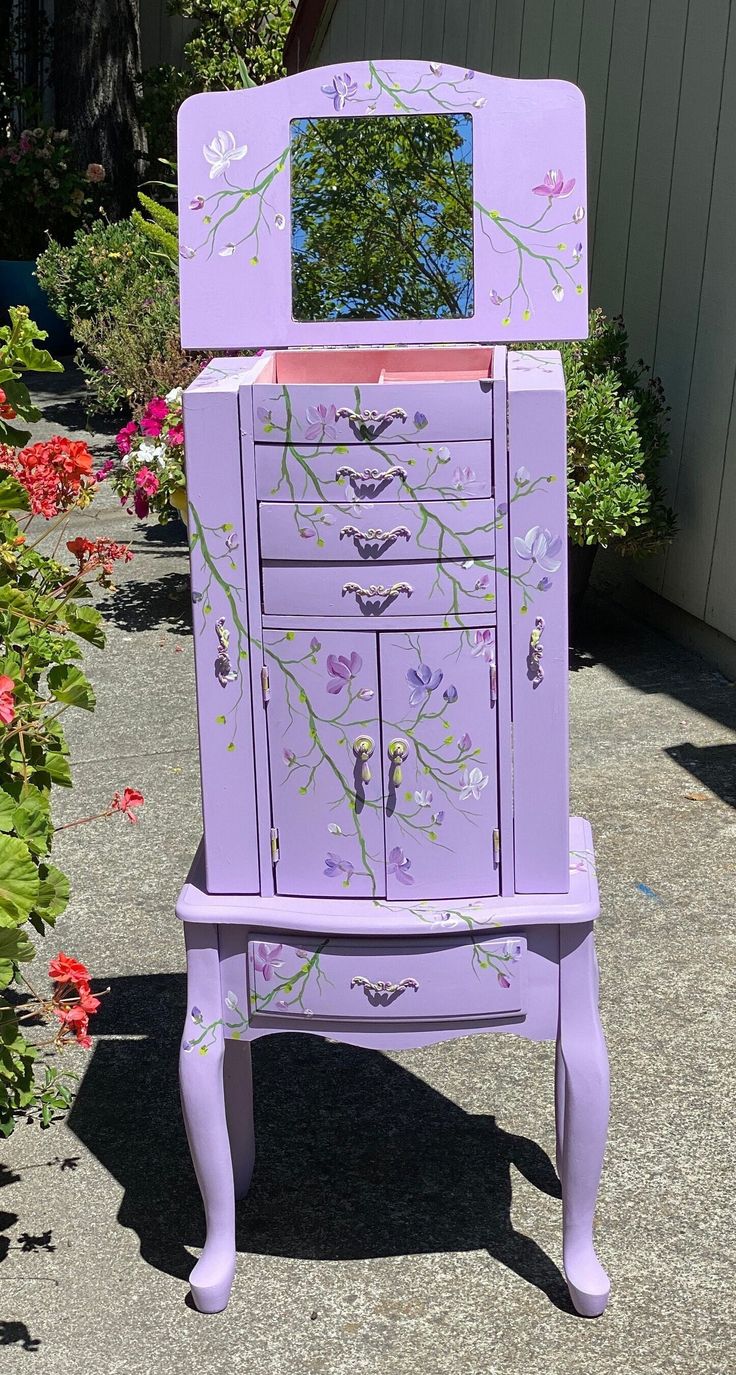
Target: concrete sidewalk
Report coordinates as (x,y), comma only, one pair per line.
(404,1214)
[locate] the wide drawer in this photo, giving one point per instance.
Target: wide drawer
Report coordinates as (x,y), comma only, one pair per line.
(448,588)
(329,412)
(329,531)
(388,980)
(373,472)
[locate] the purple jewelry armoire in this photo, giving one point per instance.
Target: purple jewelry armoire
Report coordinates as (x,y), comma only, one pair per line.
(377,521)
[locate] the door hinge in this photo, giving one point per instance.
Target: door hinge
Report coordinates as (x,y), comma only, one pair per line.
(496,847)
(275,852)
(265,685)
(494,684)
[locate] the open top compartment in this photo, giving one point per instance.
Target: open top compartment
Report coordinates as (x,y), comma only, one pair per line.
(450,364)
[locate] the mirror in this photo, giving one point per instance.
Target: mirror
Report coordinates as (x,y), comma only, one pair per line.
(382,218)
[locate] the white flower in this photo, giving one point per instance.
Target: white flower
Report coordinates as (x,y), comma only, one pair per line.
(227,251)
(479,103)
(578,215)
(280,221)
(151,453)
(473,782)
(558,292)
(174,396)
(231,1000)
(334,829)
(423,798)
(222,151)
(435,68)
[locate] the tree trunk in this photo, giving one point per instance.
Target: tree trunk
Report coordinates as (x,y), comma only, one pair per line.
(96,76)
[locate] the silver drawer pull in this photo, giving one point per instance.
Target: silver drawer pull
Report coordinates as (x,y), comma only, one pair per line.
(364,417)
(381,985)
(398,532)
(371,474)
(377,589)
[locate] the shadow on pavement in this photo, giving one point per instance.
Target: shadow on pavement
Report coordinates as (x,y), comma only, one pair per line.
(356,1158)
(159,604)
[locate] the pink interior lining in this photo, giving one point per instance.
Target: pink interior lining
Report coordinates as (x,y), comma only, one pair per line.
(370,365)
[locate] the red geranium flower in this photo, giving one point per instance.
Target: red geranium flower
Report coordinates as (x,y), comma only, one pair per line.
(65,969)
(7,701)
(53,472)
(126,802)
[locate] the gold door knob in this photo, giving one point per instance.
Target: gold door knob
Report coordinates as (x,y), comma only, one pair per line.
(363,747)
(398,753)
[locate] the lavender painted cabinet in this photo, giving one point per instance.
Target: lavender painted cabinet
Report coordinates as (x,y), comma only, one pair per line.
(377,524)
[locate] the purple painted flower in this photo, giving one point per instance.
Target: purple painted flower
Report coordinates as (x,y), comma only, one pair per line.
(502,508)
(288,757)
(196,1014)
(462,478)
(422,681)
(483,645)
(554,186)
(513,950)
(341,669)
(399,866)
(266,959)
(187,1046)
(450,693)
(341,89)
(577,252)
(335,866)
(306,532)
(504,982)
(464,743)
(420,420)
(482,583)
(196,203)
(314,645)
(435,68)
(438,818)
(186,252)
(321,422)
(496,299)
(544,584)
(540,548)
(304,954)
(365,694)
(264,415)
(469,75)
(423,798)
(280,221)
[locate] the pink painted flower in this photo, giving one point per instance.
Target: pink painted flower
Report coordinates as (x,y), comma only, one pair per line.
(554,185)
(196,203)
(341,669)
(7,701)
(320,422)
(504,982)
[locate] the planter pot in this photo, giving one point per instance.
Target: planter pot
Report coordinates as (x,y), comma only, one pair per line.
(18,287)
(581,558)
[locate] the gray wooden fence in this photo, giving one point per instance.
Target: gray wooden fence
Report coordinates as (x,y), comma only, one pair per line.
(659,77)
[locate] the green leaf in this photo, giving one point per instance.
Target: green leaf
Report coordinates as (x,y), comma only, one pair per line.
(86,622)
(19,882)
(70,686)
(12,495)
(8,805)
(32,820)
(57,768)
(53,893)
(245,79)
(16,945)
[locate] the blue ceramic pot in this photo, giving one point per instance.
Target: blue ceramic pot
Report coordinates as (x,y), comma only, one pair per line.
(19,287)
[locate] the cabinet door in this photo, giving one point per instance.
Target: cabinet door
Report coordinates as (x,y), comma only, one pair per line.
(440,762)
(325,763)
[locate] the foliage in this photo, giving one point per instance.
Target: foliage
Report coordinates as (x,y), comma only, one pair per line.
(160,226)
(119,292)
(18,354)
(45,619)
(396,241)
(41,191)
(149,474)
(617,438)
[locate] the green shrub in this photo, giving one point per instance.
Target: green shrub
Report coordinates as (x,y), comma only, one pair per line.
(617,437)
(97,270)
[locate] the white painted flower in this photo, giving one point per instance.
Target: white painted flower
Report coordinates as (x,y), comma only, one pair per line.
(473,781)
(558,292)
(479,103)
(435,68)
(578,215)
(231,1000)
(186,252)
(280,221)
(334,829)
(443,454)
(423,798)
(227,251)
(222,151)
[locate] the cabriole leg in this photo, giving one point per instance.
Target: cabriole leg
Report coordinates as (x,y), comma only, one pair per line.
(201,1064)
(238,1079)
(559,1106)
(583,1085)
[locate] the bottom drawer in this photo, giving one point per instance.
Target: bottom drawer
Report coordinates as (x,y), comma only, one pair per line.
(388,980)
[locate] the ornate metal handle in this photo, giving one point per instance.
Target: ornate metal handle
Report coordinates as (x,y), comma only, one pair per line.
(398,753)
(371,474)
(377,589)
(373,418)
(536,650)
(363,747)
(398,532)
(382,985)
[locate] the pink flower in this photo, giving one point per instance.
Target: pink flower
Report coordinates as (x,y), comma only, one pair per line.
(175,434)
(95,172)
(7,701)
(554,185)
(154,416)
(150,425)
(140,504)
(147,482)
(124,437)
(126,801)
(105,470)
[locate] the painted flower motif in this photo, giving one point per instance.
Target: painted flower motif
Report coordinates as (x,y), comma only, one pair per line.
(341,669)
(578,215)
(483,645)
(231,1000)
(420,420)
(472,783)
(450,694)
(479,103)
(334,829)
(196,203)
(540,548)
(482,583)
(558,292)
(341,89)
(464,743)
(266,960)
(314,645)
(504,982)
(435,68)
(496,299)
(502,508)
(196,1015)
(577,252)
(185,251)
(365,694)
(544,584)
(422,681)
(335,866)
(513,950)
(306,532)
(399,866)
(438,818)
(288,757)
(554,186)
(279,221)
(522,476)
(264,415)
(423,798)
(320,422)
(443,454)
(462,478)
(227,251)
(222,151)
(469,75)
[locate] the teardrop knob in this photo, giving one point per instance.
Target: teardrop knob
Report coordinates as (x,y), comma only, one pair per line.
(398,752)
(363,747)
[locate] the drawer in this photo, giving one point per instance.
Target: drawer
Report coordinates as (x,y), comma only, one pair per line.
(373,472)
(448,588)
(343,533)
(329,412)
(423,979)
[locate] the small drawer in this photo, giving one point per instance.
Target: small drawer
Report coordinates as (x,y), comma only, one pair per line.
(420,980)
(374,472)
(448,588)
(373,412)
(326,532)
